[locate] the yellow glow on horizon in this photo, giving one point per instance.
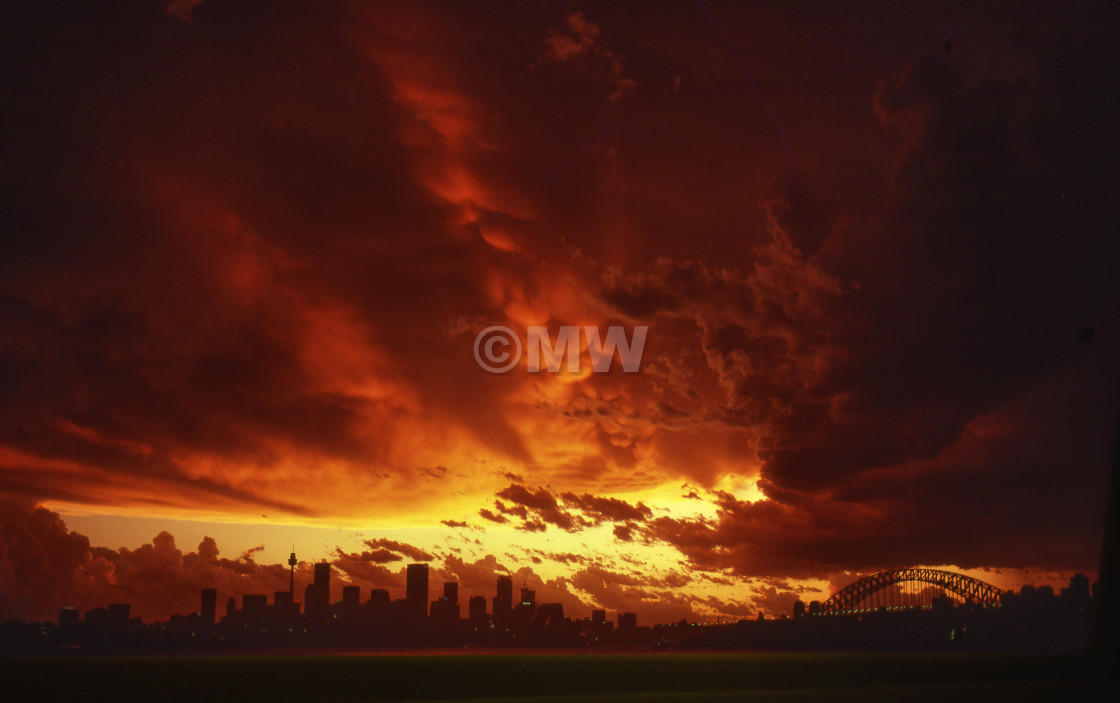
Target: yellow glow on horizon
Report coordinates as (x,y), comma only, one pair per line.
(744,488)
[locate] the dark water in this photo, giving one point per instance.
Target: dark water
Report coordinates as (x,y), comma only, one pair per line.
(364,675)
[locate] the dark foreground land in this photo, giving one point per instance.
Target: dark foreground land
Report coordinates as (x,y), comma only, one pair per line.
(619,678)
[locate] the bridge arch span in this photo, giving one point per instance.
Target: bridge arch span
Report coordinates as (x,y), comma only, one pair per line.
(970,590)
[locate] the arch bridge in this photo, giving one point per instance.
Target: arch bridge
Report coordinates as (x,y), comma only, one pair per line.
(909,588)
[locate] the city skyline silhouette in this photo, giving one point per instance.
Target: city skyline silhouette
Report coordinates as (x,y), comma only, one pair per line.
(899,610)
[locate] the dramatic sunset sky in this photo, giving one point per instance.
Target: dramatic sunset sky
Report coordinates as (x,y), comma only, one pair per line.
(247,248)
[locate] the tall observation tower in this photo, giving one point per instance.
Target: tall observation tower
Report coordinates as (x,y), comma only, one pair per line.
(292,582)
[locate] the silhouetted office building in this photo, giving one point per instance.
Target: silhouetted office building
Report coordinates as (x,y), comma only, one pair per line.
(503,601)
(208,611)
(284,606)
(378,597)
(814,607)
(118,614)
(379,603)
(528,597)
(416,589)
(282,600)
(549,615)
(254,607)
(447,609)
(351,598)
(97,617)
(627,621)
(323,582)
(68,617)
(444,611)
(400,609)
(476,608)
(311,601)
(799,609)
(505,588)
(599,617)
(1078,591)
(317,595)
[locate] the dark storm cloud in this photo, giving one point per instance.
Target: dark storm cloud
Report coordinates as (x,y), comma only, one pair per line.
(1006,495)
(493,517)
(951,308)
(542,504)
(182,232)
(567,511)
(623,532)
(400,548)
(975,282)
(600,509)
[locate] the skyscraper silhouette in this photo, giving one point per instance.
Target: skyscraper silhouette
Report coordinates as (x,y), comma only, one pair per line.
(503,601)
(284,604)
(528,597)
(318,594)
(446,610)
(476,608)
(209,610)
(119,613)
(351,597)
(416,590)
(323,582)
(254,608)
